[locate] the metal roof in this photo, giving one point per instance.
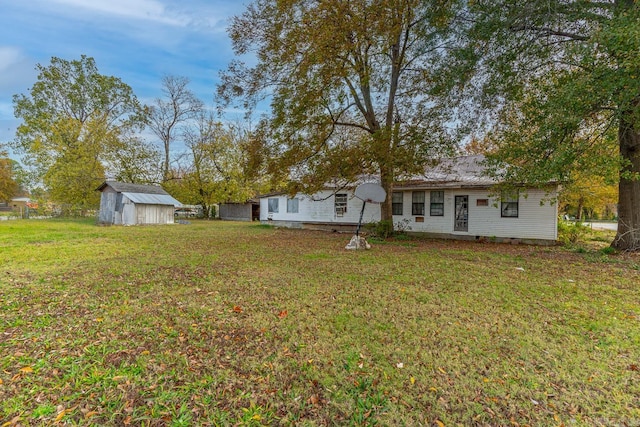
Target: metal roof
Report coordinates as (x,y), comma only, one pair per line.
(457,172)
(152,199)
(122,187)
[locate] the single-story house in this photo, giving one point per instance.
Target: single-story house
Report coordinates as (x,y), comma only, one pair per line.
(134,204)
(248,211)
(16,204)
(455,199)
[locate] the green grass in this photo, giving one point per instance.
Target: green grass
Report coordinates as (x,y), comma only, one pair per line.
(219,323)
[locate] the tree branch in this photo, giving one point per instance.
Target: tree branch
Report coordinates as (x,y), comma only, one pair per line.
(549,32)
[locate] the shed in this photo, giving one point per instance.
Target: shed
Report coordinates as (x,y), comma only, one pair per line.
(248,211)
(135,204)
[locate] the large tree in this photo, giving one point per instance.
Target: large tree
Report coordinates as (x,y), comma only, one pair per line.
(561,83)
(73,118)
(170,114)
(348,84)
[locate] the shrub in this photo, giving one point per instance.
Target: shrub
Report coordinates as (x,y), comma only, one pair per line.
(381,229)
(385,229)
(570,233)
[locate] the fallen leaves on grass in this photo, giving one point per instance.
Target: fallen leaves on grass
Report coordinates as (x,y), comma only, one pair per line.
(210,340)
(62,412)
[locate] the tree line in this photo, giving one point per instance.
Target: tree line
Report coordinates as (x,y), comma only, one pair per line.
(387,86)
(80,127)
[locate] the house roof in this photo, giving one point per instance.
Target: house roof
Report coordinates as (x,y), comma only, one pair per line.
(143,194)
(456,172)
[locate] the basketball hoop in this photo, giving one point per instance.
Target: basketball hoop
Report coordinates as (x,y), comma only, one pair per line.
(367,192)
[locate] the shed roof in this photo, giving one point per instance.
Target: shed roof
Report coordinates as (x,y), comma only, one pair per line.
(125,187)
(142,194)
(152,199)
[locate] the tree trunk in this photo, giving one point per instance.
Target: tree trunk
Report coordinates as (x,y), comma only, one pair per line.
(628,236)
(386,182)
(580,207)
(165,165)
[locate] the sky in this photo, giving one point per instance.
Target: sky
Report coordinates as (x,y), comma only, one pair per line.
(138,41)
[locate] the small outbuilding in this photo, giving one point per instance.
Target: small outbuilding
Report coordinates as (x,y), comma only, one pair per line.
(248,211)
(135,204)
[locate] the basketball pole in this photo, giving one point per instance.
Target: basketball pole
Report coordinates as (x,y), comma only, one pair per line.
(364,202)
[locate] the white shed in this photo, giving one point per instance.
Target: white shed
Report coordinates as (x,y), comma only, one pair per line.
(453,200)
(134,204)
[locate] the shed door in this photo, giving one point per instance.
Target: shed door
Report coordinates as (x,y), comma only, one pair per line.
(462,214)
(141,211)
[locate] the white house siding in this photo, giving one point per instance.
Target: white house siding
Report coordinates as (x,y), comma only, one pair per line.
(319,209)
(534,221)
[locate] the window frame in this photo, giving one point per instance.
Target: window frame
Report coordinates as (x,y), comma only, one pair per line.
(510,204)
(397,207)
(270,207)
(292,203)
(340,204)
(434,205)
(418,207)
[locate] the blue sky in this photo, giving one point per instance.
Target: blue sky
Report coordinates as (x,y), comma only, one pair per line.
(137,41)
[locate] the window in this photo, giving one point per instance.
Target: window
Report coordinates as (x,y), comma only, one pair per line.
(417,203)
(396,203)
(341,204)
(273,205)
(437,203)
(509,205)
(292,205)
(482,202)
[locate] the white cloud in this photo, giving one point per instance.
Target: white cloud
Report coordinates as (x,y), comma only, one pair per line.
(16,72)
(148,10)
(9,56)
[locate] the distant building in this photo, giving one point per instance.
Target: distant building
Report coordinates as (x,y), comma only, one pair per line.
(249,211)
(134,204)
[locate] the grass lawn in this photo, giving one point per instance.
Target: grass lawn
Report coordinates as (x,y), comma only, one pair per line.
(218,323)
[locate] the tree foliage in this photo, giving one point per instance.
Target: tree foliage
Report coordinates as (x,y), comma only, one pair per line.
(348,85)
(557,84)
(73,118)
(9,186)
(217,165)
(589,194)
(135,160)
